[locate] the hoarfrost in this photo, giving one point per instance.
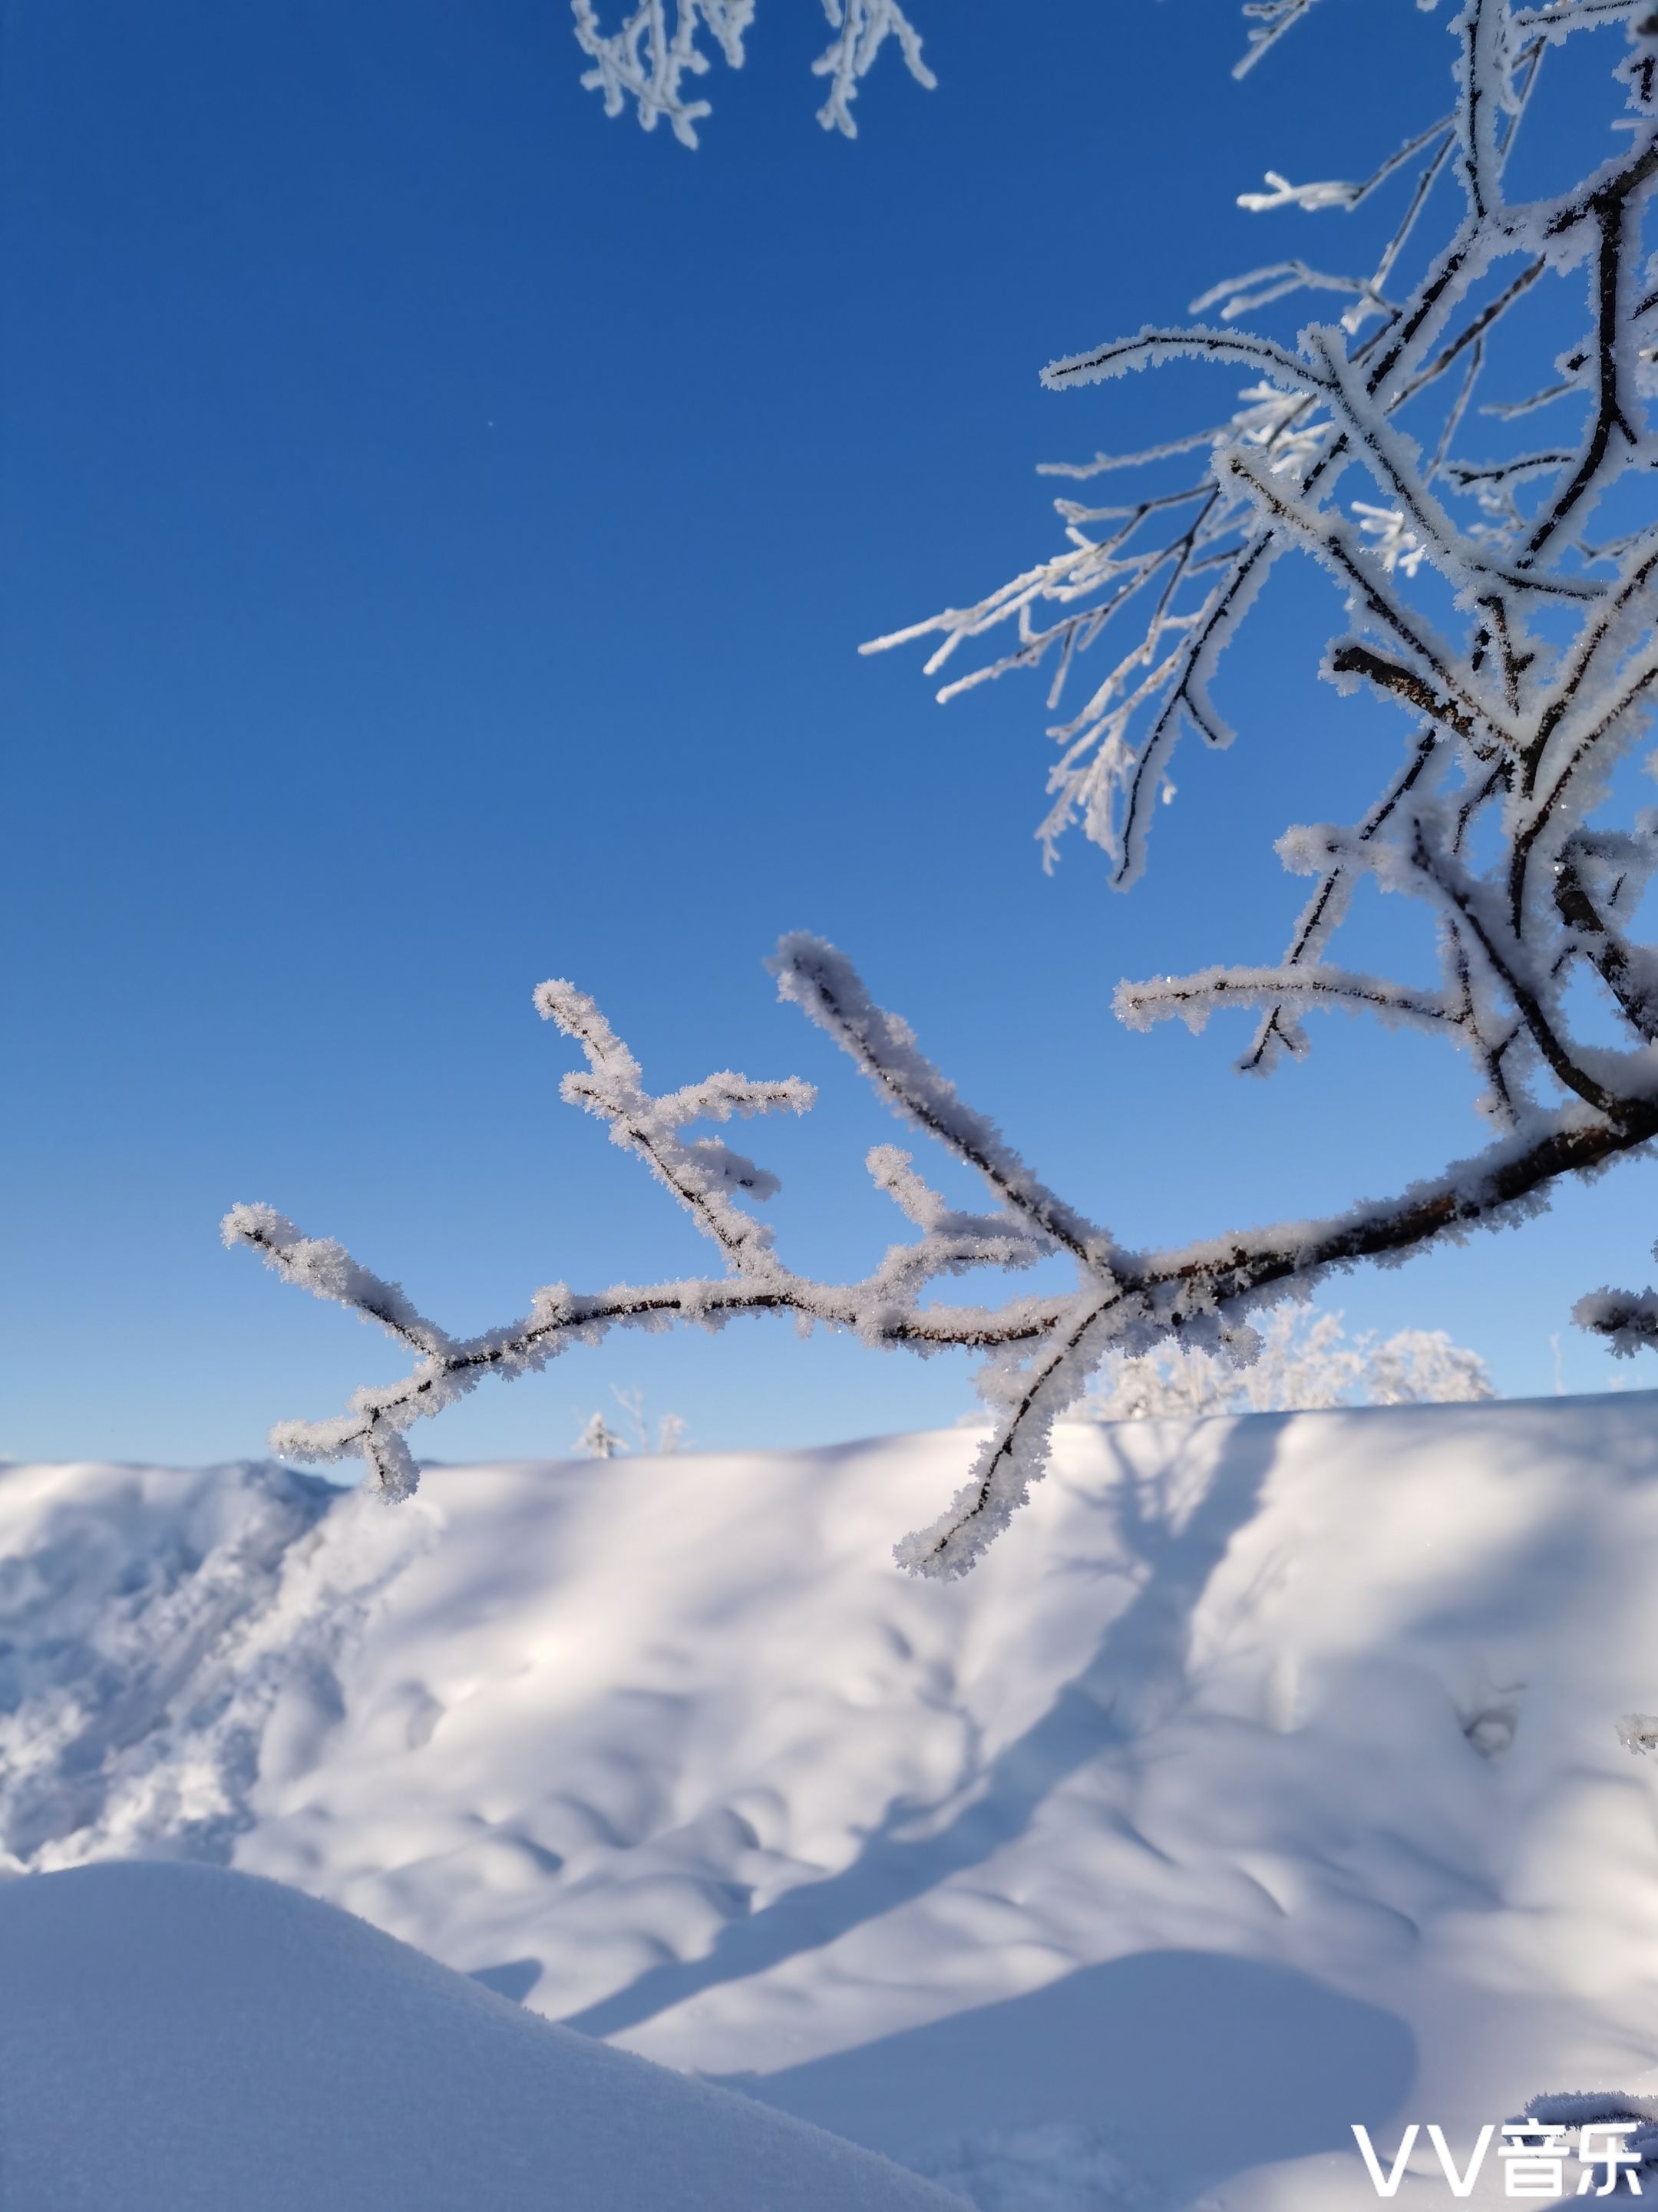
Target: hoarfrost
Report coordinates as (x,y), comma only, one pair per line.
(1513,724)
(1305,1360)
(659,44)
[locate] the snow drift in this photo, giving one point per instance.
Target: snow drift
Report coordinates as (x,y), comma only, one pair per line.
(177,2039)
(1265,1779)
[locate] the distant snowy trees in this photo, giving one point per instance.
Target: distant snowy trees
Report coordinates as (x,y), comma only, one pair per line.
(1306,1360)
(599,1440)
(1482,497)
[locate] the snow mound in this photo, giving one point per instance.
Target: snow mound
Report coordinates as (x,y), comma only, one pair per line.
(179,2038)
(1266,1778)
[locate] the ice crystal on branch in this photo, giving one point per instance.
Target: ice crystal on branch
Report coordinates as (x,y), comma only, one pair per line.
(661,43)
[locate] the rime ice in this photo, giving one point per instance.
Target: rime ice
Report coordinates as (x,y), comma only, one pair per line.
(1517,649)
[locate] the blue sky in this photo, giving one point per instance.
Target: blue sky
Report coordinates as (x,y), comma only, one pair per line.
(438,524)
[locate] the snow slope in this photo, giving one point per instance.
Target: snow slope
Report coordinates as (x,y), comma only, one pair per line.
(1264,1778)
(177,2039)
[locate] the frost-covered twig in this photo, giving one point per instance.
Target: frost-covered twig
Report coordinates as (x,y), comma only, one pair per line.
(1627,1319)
(1042,1349)
(861,29)
(712,1182)
(1289,988)
(659,44)
(1268,21)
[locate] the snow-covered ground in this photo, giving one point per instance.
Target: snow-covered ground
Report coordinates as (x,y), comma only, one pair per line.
(177,2039)
(1264,1779)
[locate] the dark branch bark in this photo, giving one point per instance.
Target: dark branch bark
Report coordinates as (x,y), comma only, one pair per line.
(1405,683)
(1606,951)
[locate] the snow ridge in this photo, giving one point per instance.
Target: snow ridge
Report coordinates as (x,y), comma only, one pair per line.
(159,1632)
(1279,1752)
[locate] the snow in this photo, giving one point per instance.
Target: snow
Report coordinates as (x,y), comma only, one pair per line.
(179,2039)
(1266,1778)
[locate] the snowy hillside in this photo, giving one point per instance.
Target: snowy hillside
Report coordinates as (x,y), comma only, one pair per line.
(1265,1778)
(174,2038)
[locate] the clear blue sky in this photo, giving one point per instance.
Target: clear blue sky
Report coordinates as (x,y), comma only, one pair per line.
(438,523)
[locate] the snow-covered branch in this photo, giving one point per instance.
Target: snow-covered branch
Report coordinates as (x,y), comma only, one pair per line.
(861,29)
(656,49)
(1516,719)
(1291,986)
(658,46)
(716,1186)
(1627,1319)
(1519,654)
(1042,1349)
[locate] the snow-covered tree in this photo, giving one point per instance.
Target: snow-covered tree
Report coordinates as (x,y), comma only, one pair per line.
(1499,582)
(1306,1360)
(599,1440)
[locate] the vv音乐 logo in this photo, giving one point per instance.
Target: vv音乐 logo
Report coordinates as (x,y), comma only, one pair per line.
(1538,2160)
